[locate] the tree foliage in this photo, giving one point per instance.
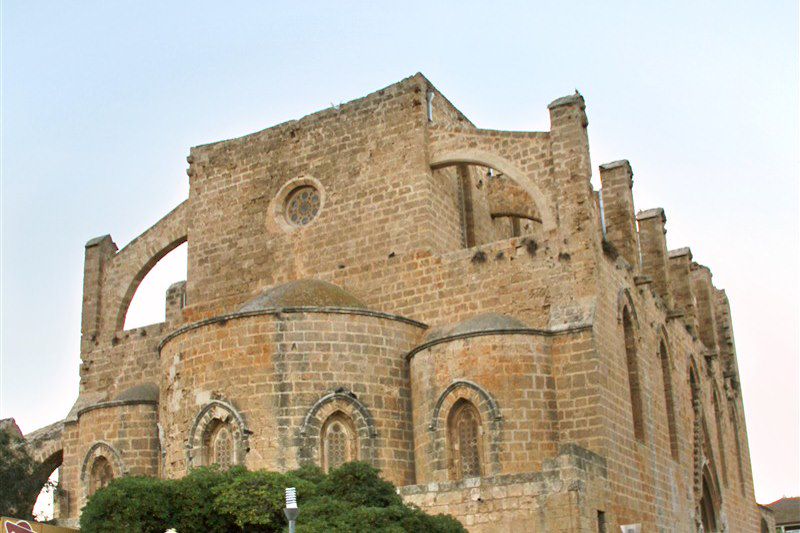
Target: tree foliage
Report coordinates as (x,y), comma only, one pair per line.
(19,484)
(350,498)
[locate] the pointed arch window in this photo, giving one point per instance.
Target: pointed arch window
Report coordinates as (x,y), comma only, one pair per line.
(669,400)
(219,446)
(720,437)
(338,441)
(465,438)
(100,474)
(735,424)
(708,508)
(633,375)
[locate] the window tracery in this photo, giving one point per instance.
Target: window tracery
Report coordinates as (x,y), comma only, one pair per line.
(465,433)
(338,441)
(302,205)
(100,474)
(221,448)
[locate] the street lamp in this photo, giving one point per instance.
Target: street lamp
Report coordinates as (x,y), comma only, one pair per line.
(291,510)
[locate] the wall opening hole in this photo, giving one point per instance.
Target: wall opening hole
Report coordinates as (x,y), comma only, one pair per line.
(148,304)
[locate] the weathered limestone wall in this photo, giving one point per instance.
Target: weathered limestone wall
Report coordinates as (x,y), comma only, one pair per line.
(403,196)
(368,158)
(650,483)
(125,433)
(562,497)
(274,368)
(509,378)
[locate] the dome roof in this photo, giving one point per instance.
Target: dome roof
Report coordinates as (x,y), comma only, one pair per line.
(478,323)
(304,293)
(143,392)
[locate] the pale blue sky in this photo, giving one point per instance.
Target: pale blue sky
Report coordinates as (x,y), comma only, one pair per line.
(102,100)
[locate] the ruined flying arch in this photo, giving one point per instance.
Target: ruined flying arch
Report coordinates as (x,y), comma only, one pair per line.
(508,168)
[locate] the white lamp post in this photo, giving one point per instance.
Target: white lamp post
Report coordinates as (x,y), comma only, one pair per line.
(291,510)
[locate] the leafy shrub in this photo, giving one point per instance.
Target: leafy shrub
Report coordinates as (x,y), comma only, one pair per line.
(195,494)
(359,483)
(21,477)
(350,498)
(256,499)
(132,504)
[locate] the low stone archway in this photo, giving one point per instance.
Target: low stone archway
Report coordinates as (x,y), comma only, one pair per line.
(45,447)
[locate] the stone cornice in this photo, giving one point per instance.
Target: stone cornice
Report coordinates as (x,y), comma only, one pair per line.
(500,331)
(114,403)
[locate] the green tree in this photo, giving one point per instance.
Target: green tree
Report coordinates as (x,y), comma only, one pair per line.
(350,498)
(134,505)
(18,479)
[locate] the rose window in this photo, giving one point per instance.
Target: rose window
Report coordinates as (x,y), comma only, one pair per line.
(302,205)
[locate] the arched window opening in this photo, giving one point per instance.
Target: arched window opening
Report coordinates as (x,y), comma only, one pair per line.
(100,474)
(669,400)
(708,513)
(633,375)
(338,441)
(465,438)
(148,303)
(735,425)
(219,448)
(720,437)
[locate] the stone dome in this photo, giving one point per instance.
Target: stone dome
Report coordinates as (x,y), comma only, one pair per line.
(478,323)
(304,293)
(138,393)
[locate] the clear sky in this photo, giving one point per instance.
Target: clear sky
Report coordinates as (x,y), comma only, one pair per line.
(102,100)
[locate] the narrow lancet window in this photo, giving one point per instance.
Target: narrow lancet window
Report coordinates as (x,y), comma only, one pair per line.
(219,449)
(669,400)
(101,475)
(465,434)
(633,375)
(338,441)
(720,438)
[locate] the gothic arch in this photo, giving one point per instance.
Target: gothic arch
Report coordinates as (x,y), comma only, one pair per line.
(133,262)
(508,168)
(709,503)
(693,370)
(100,450)
(338,441)
(486,405)
(491,420)
(344,402)
(669,391)
(137,279)
(207,420)
(630,337)
(720,430)
(624,300)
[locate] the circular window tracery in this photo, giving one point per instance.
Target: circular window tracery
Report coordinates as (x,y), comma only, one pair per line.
(339,441)
(302,205)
